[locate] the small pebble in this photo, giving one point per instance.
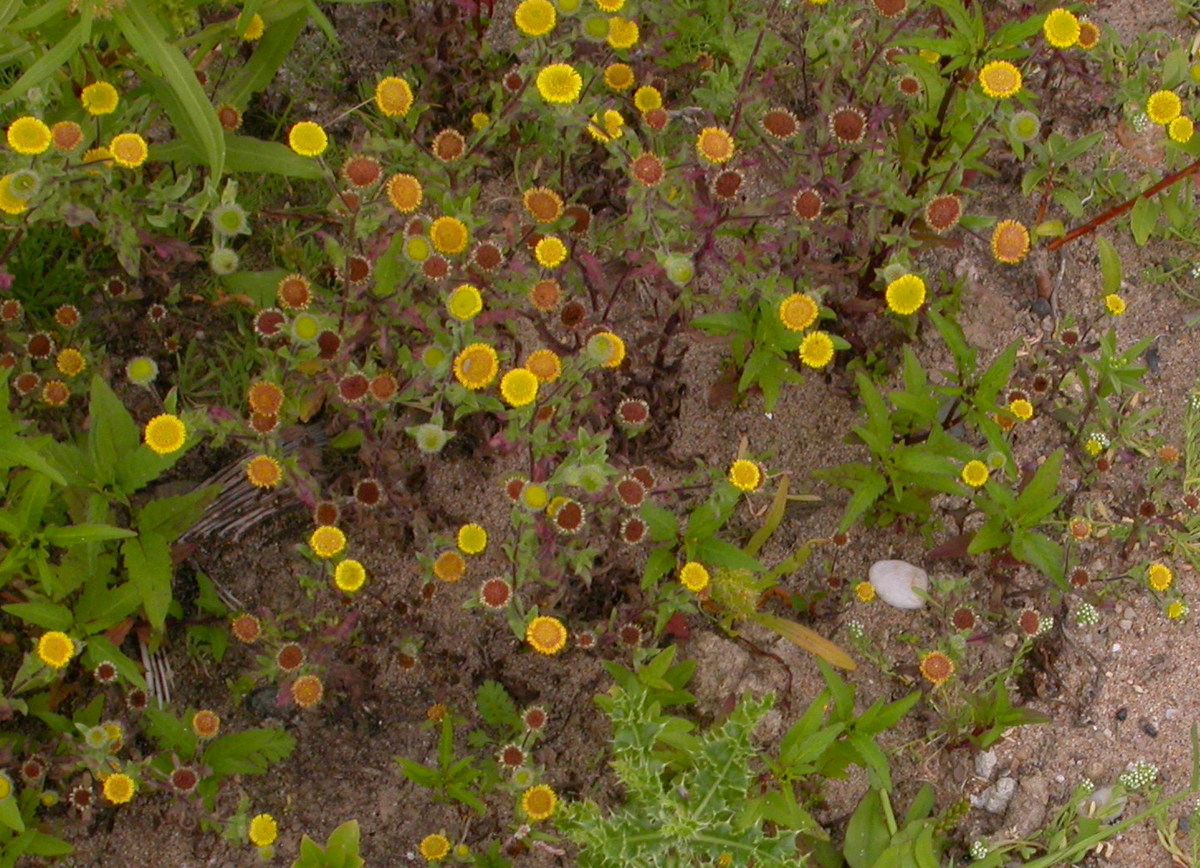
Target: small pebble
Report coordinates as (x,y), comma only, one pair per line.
(1116,648)
(1171,713)
(1121,714)
(1125,624)
(895,581)
(1150,729)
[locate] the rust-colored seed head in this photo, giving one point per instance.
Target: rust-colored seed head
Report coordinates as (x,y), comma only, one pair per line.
(290,657)
(943,213)
(449,145)
(848,124)
(1080,578)
(963,619)
(633,411)
(780,123)
(358,270)
(581,219)
(264,423)
(807,204)
(487,256)
(435,268)
(633,531)
(656,119)
(229,117)
(269,322)
(40,345)
(647,169)
(890,8)
(1029,622)
(360,171)
(631,492)
(909,85)
(727,184)
(572,314)
(326,514)
(328,344)
(353,388)
(545,295)
(67,316)
(368,492)
(569,517)
(383,387)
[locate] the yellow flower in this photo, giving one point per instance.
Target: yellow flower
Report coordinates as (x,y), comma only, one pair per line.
(606,349)
(393,96)
(254,28)
(1163,106)
(327,541)
(622,33)
(1000,79)
(559,83)
(55,649)
(538,802)
(1181,129)
(798,311)
(263,828)
(606,127)
(99,98)
(618,77)
(694,577)
(542,204)
(476,366)
(1010,242)
(465,302)
(449,235)
(610,5)
(546,635)
(10,203)
(906,294)
(307,691)
(206,724)
(434,848)
(975,473)
(263,471)
(715,145)
(535,17)
(165,434)
(29,136)
(405,193)
(745,475)
(349,575)
(449,566)
(550,252)
(128,150)
(1021,408)
(6,786)
(1114,304)
(646,98)
(70,362)
(1061,28)
(1160,577)
(1176,609)
(936,668)
(519,387)
(816,350)
(545,365)
(480,120)
(865,592)
(472,539)
(119,788)
(534,496)
(308,139)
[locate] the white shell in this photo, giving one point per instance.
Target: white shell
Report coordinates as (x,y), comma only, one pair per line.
(894,582)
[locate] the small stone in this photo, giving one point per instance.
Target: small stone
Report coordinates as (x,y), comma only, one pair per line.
(995,798)
(1171,713)
(1027,812)
(894,582)
(1126,624)
(985,764)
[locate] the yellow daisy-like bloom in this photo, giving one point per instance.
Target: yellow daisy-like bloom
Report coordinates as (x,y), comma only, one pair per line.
(434,848)
(100,98)
(646,98)
(1010,242)
(129,150)
(1160,577)
(559,83)
(816,350)
(263,830)
(1061,28)
(263,471)
(622,33)
(546,635)
(165,434)
(606,127)
(535,17)
(255,28)
(606,349)
(550,252)
(449,567)
(70,362)
(715,145)
(745,475)
(1163,106)
(465,302)
(618,77)
(798,311)
(68,135)
(975,473)
(476,366)
(535,496)
(349,575)
(1000,79)
(936,668)
(308,139)
(393,96)
(519,387)
(449,235)
(610,5)
(29,136)
(119,788)
(480,121)
(327,541)
(542,204)
(694,577)
(472,539)
(405,193)
(545,365)
(206,724)
(1181,129)
(1114,304)
(6,786)
(1021,408)
(1176,609)
(865,592)
(9,203)
(307,691)
(538,803)
(55,649)
(906,294)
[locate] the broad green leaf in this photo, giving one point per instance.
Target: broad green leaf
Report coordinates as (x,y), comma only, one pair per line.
(868,490)
(867,833)
(1142,219)
(715,552)
(991,535)
(99,607)
(1110,265)
(269,54)
(169,517)
(99,648)
(112,435)
(250,752)
(84,533)
(48,616)
(53,60)
(148,562)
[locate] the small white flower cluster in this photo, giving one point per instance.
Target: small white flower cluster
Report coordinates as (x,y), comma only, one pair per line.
(1087,786)
(1138,775)
(1140,121)
(1196,271)
(1194,400)
(856,630)
(979,850)
(1086,615)
(1100,439)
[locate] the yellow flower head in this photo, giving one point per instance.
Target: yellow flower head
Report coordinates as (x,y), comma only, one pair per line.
(405,193)
(129,150)
(610,5)
(29,136)
(618,77)
(99,98)
(1061,28)
(906,294)
(546,635)
(745,475)
(865,592)
(472,539)
(798,311)
(263,471)
(6,786)
(646,98)
(545,365)
(119,788)
(55,649)
(559,83)
(70,362)
(550,252)
(206,724)
(1021,408)
(476,366)
(538,803)
(535,17)
(1114,304)
(816,350)
(449,235)
(307,691)
(936,668)
(480,120)
(327,541)
(349,575)
(10,203)
(449,566)
(165,434)
(263,830)
(622,33)
(715,145)
(606,126)
(694,577)
(1163,106)
(1160,577)
(1010,242)
(393,96)
(1000,79)
(1176,609)
(255,28)
(1181,129)
(519,387)
(975,473)
(542,204)
(606,349)
(465,302)
(308,139)
(434,848)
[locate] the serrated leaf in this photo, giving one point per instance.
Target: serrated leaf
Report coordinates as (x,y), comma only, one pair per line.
(248,753)
(496,707)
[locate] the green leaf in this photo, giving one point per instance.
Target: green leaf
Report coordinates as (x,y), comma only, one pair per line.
(148,562)
(659,563)
(1040,489)
(1142,219)
(719,553)
(48,616)
(112,435)
(100,607)
(250,752)
(862,498)
(84,533)
(99,648)
(867,833)
(10,816)
(662,523)
(773,518)
(1041,551)
(995,378)
(168,732)
(52,61)
(269,54)
(1110,265)
(169,517)
(496,707)
(991,535)
(247,155)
